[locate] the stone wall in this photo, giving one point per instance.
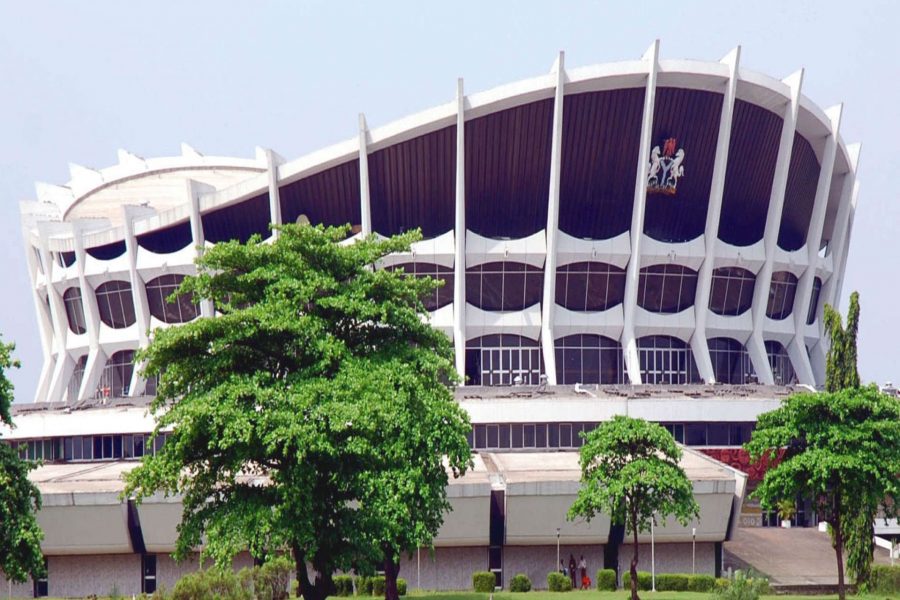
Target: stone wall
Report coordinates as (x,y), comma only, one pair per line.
(537,561)
(99,574)
(445,569)
(670,558)
(15,590)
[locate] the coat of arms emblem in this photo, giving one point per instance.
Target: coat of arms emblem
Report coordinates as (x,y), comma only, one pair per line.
(665,168)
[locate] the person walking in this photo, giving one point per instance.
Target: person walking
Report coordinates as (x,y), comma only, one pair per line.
(572,571)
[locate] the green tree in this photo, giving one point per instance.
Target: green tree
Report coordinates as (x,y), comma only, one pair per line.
(630,471)
(20,534)
(841,373)
(301,415)
(840,369)
(841,448)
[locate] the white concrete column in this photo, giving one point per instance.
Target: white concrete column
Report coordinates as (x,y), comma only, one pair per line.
(365,207)
(47,323)
(459,234)
(841,232)
(193,189)
(755,344)
(797,347)
(632,274)
(273,161)
(549,300)
(836,251)
(699,344)
(839,272)
(96,357)
(53,390)
(138,293)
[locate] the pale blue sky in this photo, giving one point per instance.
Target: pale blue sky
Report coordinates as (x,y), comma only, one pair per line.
(80,80)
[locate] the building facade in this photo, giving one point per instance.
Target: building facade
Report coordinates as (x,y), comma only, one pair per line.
(651,237)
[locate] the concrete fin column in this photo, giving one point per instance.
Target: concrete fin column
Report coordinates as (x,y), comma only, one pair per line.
(138,292)
(549,299)
(365,207)
(699,344)
(459,228)
(273,161)
(193,189)
(96,357)
(797,347)
(843,268)
(841,228)
(629,343)
(49,326)
(755,344)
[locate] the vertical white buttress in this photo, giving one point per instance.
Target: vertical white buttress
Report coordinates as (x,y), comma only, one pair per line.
(699,345)
(632,274)
(459,228)
(96,357)
(549,299)
(365,208)
(755,344)
(272,163)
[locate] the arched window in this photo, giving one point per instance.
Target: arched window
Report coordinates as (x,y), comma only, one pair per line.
(587,358)
(115,304)
(504,286)
(730,361)
(116,377)
(782,369)
(181,310)
(589,286)
(502,358)
(814,301)
(667,360)
(74,310)
(76,379)
(666,288)
(732,291)
(781,295)
(440,297)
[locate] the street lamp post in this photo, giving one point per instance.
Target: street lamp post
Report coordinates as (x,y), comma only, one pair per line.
(693,550)
(652,553)
(556,567)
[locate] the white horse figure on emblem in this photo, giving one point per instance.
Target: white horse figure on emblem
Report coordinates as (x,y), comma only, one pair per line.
(655,166)
(675,170)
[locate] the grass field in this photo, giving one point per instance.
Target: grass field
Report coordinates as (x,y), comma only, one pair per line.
(622,595)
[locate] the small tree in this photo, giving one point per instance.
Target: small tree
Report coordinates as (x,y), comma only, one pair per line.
(20,535)
(311,413)
(841,449)
(630,471)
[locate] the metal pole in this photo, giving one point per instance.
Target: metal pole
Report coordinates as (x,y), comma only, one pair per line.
(556,568)
(693,550)
(652,556)
(419,568)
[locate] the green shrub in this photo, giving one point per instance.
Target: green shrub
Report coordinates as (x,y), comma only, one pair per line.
(520,583)
(701,583)
(885,579)
(742,587)
(363,586)
(270,581)
(606,580)
(378,585)
(671,582)
(401,586)
(343,585)
(557,582)
(645,582)
(721,584)
(219,584)
(483,581)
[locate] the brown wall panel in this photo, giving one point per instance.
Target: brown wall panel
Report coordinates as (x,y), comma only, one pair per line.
(238,221)
(799,196)
(601,139)
(330,197)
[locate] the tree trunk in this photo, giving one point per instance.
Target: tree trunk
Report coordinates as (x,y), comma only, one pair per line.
(317,590)
(391,571)
(634,558)
(838,543)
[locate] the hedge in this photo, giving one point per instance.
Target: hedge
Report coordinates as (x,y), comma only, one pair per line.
(520,583)
(645,584)
(701,583)
(363,586)
(401,586)
(557,582)
(606,580)
(343,585)
(483,581)
(378,585)
(885,579)
(671,582)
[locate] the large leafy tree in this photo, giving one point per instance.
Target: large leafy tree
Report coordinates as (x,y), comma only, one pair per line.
(841,449)
(630,471)
(20,535)
(311,413)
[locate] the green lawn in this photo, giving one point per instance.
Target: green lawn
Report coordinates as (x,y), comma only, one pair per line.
(595,595)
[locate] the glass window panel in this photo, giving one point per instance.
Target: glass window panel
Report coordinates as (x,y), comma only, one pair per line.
(504,435)
(565,435)
(695,434)
(480,436)
(717,434)
(540,435)
(529,436)
(493,436)
(553,435)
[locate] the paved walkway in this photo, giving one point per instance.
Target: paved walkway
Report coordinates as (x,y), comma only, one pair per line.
(796,556)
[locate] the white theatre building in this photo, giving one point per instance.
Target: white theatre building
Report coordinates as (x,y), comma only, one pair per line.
(650,237)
